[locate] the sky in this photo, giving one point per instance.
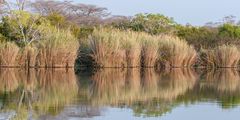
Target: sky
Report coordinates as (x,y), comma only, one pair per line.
(195,12)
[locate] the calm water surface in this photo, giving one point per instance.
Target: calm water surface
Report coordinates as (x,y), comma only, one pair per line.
(119,94)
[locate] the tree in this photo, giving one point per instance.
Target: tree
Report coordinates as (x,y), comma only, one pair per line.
(150,23)
(51,7)
(81,14)
(22,27)
(229,30)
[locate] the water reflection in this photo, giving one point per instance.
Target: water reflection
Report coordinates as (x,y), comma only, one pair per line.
(127,86)
(61,94)
(31,93)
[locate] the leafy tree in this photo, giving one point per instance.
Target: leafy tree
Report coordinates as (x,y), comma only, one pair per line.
(229,30)
(22,27)
(150,23)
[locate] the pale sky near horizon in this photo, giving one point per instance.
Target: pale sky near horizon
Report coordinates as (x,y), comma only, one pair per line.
(196,12)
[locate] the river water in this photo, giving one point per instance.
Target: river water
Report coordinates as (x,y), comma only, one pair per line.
(119,94)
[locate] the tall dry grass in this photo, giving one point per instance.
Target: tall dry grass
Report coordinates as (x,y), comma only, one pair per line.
(8,53)
(116,48)
(175,52)
(150,53)
(27,56)
(106,50)
(58,48)
(222,56)
(132,46)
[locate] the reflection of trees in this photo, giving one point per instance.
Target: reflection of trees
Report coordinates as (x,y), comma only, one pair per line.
(38,92)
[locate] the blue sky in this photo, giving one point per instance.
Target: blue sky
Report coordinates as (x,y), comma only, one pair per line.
(196,12)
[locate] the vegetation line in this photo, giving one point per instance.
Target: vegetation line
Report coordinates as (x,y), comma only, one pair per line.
(40,34)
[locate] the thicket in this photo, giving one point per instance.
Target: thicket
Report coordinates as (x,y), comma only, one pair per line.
(43,34)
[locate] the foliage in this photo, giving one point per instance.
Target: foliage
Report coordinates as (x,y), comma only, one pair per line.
(150,23)
(200,37)
(229,30)
(21,27)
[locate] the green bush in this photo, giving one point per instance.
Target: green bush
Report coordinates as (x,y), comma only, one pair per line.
(229,30)
(150,23)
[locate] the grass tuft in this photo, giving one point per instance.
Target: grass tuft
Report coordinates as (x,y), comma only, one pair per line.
(222,56)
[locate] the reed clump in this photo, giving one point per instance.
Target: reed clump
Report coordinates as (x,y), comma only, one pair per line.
(150,51)
(116,48)
(175,52)
(8,53)
(132,47)
(27,56)
(222,56)
(55,48)
(58,49)
(105,48)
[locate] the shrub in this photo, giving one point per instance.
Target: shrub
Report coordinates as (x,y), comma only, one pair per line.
(149,23)
(229,30)
(199,37)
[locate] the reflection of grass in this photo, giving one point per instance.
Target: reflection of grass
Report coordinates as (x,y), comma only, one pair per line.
(42,91)
(8,80)
(120,86)
(145,91)
(221,86)
(176,82)
(154,94)
(224,80)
